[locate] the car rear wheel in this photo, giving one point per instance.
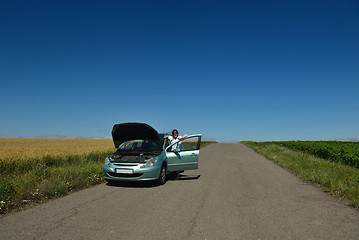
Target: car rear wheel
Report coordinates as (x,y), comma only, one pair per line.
(162,178)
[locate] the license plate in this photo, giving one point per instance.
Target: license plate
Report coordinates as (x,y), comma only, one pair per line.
(121,170)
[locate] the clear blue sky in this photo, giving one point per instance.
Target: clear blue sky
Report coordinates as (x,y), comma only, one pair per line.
(231,70)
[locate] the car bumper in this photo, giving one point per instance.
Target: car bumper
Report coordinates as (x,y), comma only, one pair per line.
(139,174)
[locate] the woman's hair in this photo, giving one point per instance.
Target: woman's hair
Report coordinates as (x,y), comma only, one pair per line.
(173,131)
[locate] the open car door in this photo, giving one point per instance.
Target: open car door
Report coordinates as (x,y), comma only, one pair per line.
(183,155)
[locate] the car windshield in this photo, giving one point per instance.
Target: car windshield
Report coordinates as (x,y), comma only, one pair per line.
(140,145)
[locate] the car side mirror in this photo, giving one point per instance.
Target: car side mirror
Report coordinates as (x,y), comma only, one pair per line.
(176,150)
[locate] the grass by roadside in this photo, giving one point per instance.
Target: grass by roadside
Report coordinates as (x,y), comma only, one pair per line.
(338,179)
(48,177)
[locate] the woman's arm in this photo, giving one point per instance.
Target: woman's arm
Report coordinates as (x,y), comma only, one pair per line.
(179,138)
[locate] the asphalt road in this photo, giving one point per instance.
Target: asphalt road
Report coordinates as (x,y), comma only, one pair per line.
(235,194)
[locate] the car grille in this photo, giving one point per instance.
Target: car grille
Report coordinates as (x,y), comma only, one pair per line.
(125,175)
(125,165)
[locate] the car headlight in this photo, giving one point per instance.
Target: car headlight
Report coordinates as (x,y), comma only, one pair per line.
(150,162)
(107,161)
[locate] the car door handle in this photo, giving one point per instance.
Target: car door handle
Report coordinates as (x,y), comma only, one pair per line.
(193,154)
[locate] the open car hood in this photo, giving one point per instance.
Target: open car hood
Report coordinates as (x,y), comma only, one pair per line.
(130,131)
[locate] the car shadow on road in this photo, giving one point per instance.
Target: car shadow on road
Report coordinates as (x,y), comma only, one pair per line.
(151,184)
(140,184)
(187,177)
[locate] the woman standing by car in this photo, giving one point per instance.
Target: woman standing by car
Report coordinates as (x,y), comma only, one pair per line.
(173,138)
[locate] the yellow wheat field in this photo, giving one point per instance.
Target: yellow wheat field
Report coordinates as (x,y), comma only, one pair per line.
(19,148)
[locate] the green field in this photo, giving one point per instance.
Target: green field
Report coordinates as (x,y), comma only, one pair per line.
(342,152)
(339,176)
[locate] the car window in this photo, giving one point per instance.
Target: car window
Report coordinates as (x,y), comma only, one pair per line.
(167,143)
(127,145)
(190,144)
(140,145)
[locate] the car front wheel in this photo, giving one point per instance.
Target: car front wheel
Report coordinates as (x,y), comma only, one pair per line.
(162,178)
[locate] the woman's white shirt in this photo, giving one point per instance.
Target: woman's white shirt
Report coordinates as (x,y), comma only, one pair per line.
(172,140)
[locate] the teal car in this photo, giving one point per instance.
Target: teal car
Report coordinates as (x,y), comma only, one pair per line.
(143,154)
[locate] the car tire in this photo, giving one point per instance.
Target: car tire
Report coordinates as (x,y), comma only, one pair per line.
(162,178)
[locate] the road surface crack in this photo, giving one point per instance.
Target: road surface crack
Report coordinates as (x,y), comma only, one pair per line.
(73,212)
